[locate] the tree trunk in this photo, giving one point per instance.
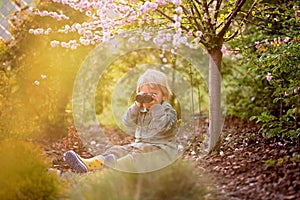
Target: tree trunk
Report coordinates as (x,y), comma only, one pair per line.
(215,111)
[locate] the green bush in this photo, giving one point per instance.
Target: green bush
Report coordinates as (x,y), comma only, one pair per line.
(275,87)
(36,80)
(266,84)
(24,173)
(178,181)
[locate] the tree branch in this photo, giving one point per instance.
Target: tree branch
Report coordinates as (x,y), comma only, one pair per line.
(170,18)
(231,36)
(242,22)
(239,4)
(206,10)
(217,9)
(186,12)
(211,1)
(198,14)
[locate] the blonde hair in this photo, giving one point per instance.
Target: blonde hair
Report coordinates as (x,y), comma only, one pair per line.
(154,79)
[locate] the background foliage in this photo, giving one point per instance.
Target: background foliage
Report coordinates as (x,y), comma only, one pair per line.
(265,80)
(24,173)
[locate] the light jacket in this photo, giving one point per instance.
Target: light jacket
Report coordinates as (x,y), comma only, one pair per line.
(156,127)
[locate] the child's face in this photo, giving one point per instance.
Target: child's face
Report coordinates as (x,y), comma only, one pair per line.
(157,94)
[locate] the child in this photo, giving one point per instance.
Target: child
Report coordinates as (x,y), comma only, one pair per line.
(152,120)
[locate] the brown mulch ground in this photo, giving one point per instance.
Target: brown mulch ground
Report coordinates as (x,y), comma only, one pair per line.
(248,166)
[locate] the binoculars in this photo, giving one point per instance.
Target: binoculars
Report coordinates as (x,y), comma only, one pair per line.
(144,98)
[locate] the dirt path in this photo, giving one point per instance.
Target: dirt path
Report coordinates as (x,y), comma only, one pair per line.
(248,166)
(252,167)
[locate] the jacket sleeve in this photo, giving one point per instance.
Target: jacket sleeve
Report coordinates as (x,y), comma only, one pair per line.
(163,120)
(130,119)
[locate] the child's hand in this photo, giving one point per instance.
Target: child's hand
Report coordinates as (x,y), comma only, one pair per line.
(155,100)
(138,104)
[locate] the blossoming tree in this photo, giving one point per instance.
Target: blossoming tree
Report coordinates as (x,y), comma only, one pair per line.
(196,23)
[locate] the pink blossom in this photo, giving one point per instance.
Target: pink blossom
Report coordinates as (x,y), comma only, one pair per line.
(131,18)
(158,40)
(84,41)
(206,18)
(269,77)
(88,34)
(77,26)
(156,21)
(106,36)
(65,1)
(183,40)
(197,39)
(257,45)
(179,10)
(177,2)
(173,51)
(54,43)
(37,31)
(168,37)
(147,36)
(199,33)
(176,18)
(176,43)
(177,25)
(267,41)
(140,21)
(65,45)
(161,2)
(51,14)
(279,144)
(120,31)
(147,6)
(73,44)
(88,13)
(131,40)
(225,51)
(153,5)
(44,13)
(48,31)
(286,39)
(97,39)
(189,34)
(67,27)
(36,82)
(81,31)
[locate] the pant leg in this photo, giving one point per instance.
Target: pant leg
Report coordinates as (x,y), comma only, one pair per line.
(118,151)
(146,158)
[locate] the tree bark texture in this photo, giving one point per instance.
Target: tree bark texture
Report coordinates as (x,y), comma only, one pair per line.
(215,110)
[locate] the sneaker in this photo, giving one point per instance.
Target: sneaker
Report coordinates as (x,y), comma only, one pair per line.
(75,162)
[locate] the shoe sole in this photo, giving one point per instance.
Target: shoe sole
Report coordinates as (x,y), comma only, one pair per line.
(75,162)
